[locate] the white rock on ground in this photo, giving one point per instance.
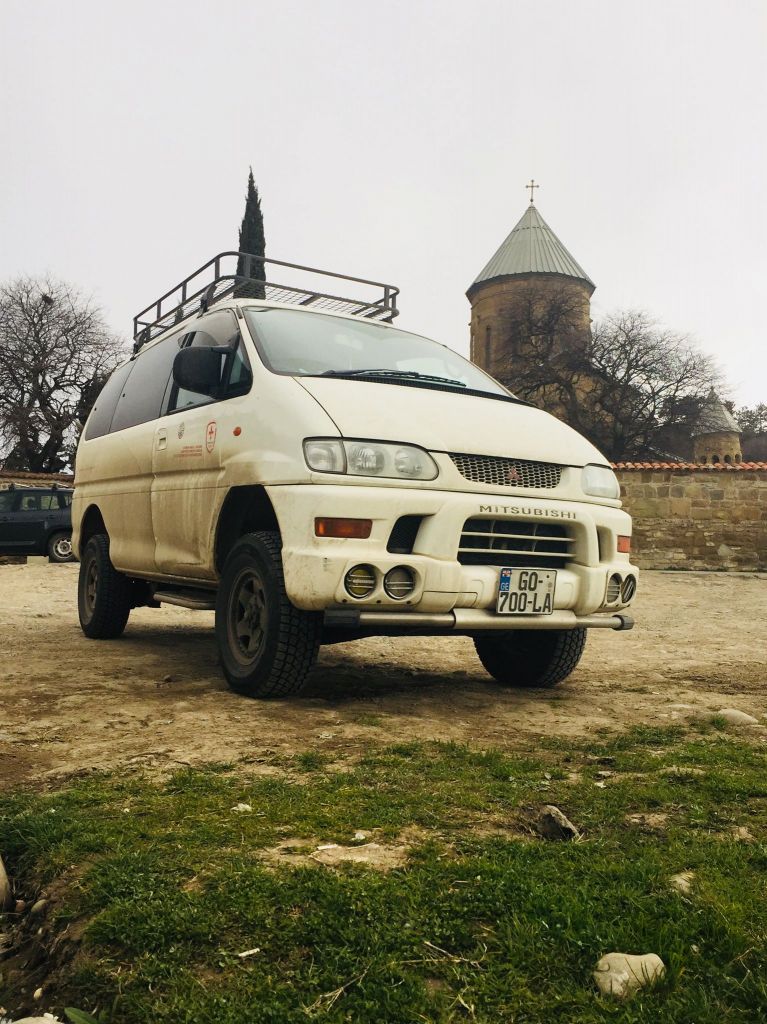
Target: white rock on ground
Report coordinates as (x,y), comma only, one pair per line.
(736,717)
(36,1020)
(620,975)
(682,882)
(553,824)
(5,887)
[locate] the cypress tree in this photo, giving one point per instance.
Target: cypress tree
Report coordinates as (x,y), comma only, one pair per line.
(252,240)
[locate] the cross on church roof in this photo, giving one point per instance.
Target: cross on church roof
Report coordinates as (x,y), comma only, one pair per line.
(531,186)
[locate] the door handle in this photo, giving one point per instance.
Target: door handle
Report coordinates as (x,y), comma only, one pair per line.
(162,439)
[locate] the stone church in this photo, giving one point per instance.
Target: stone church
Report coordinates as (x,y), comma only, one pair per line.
(532,268)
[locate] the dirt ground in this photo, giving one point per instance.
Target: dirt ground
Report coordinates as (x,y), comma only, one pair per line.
(155,697)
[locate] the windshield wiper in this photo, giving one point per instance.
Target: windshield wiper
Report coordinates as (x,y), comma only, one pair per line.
(406,374)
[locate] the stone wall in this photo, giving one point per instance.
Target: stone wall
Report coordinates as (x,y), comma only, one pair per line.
(697,517)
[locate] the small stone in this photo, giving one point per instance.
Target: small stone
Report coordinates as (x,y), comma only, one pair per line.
(5,888)
(20,906)
(553,824)
(39,906)
(167,679)
(360,836)
(242,808)
(605,774)
(682,882)
(620,975)
(736,717)
(37,995)
(46,1019)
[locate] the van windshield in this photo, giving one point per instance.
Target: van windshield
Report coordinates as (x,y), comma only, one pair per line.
(302,345)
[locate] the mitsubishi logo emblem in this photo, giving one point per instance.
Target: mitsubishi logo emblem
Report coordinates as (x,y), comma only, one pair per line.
(512,476)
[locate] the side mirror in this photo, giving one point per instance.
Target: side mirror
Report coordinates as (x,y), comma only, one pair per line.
(198,370)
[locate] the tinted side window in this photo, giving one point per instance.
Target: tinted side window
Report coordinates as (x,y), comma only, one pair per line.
(49,501)
(6,500)
(65,500)
(103,410)
(142,395)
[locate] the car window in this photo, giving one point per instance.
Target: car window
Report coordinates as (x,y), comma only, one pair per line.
(103,411)
(220,331)
(31,502)
(65,500)
(142,394)
(6,500)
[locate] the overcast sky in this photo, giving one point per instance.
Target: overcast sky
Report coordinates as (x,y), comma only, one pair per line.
(393,140)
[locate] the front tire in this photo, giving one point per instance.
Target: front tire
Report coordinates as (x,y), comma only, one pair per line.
(103,593)
(531,657)
(267,646)
(60,548)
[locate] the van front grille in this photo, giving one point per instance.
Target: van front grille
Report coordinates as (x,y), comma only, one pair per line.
(515,543)
(486,469)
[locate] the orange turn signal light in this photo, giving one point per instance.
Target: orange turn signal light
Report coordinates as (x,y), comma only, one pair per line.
(624,545)
(359,529)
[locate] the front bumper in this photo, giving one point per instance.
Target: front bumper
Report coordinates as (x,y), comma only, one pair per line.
(466,595)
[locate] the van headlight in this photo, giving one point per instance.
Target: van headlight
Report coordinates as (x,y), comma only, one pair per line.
(369,458)
(600,481)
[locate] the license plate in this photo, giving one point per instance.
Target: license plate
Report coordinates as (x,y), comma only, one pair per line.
(526,591)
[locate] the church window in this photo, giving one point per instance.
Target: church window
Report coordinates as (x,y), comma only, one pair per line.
(488,339)
(715,459)
(728,459)
(703,460)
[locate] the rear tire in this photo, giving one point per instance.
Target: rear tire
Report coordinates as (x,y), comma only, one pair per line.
(60,548)
(103,594)
(531,657)
(268,647)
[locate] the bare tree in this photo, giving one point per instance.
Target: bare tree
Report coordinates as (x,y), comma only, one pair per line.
(56,352)
(634,388)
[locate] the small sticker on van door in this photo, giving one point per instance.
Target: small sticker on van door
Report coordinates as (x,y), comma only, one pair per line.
(210,436)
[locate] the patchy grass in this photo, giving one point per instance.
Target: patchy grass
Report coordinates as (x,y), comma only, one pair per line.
(163,885)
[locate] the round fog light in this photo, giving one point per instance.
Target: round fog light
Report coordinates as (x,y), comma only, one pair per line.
(628,589)
(360,580)
(399,582)
(613,589)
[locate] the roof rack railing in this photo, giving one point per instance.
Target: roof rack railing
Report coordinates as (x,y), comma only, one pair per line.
(244,275)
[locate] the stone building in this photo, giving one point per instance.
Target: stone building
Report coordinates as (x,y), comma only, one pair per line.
(531,275)
(716,437)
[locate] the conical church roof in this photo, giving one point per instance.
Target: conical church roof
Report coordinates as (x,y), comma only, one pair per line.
(715,418)
(532,248)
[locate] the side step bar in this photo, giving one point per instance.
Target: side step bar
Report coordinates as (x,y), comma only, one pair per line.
(470,620)
(197,600)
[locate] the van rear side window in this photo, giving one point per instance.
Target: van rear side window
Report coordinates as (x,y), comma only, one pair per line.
(103,411)
(142,395)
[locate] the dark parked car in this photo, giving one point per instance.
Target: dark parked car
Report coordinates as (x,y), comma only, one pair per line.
(36,521)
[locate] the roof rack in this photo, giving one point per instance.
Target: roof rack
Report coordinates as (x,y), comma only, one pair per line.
(242,274)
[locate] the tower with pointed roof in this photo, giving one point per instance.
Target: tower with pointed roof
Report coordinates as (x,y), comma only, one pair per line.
(716,437)
(531,283)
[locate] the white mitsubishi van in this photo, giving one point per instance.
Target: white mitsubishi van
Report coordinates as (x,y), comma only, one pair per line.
(287,457)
